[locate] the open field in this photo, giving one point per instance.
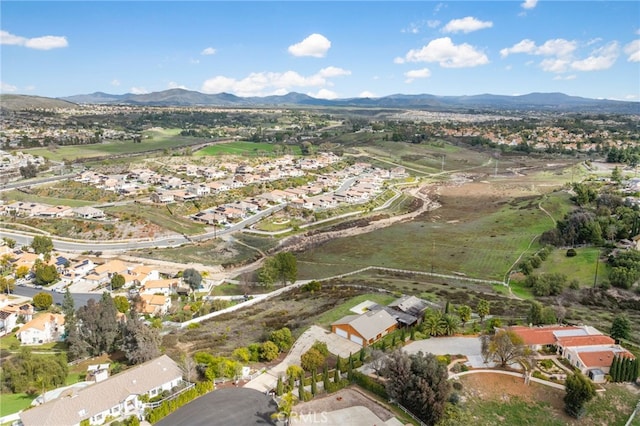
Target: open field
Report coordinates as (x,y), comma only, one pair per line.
(54,201)
(493,399)
(581,267)
(214,252)
(156,139)
(452,239)
(246,149)
(160,216)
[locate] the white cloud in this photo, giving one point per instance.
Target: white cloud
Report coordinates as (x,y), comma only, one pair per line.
(524,46)
(600,59)
(416,27)
(138,90)
(367,94)
(633,51)
(269,83)
(324,94)
(398,60)
(333,72)
(413,74)
(466,25)
(174,85)
(194,61)
(529,4)
(115,82)
(447,54)
(208,51)
(557,47)
(555,65)
(565,77)
(7,88)
(30,88)
(632,97)
(433,23)
(315,45)
(40,43)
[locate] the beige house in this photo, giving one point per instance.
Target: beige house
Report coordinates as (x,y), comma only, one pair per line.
(117,396)
(365,329)
(44,328)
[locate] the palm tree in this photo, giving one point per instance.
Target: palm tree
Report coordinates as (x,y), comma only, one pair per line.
(432,324)
(449,324)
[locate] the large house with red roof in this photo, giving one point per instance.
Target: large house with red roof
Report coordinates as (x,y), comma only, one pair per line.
(585,347)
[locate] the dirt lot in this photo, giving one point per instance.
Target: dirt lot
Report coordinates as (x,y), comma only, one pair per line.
(221,335)
(344,398)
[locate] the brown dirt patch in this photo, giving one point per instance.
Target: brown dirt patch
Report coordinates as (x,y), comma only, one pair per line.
(502,387)
(345,398)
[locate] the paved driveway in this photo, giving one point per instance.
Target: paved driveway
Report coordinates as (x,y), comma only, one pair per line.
(224,407)
(468,346)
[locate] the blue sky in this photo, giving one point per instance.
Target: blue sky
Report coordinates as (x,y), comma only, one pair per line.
(323,49)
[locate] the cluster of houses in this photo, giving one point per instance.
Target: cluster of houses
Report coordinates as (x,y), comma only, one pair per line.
(46,211)
(10,163)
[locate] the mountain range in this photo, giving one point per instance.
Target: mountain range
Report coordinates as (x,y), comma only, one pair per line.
(549,102)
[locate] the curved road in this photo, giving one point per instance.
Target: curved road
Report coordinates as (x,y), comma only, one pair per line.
(176,240)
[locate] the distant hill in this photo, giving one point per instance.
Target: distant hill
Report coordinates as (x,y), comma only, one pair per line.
(549,102)
(20,102)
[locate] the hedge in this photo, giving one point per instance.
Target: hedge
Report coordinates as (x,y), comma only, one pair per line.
(168,407)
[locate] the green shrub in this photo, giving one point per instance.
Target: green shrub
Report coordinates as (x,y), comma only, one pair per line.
(370,384)
(572,253)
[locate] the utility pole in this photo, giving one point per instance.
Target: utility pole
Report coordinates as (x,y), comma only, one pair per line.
(595,279)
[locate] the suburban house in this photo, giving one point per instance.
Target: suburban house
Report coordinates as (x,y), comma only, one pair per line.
(117,396)
(10,312)
(44,328)
(585,347)
(365,329)
(88,212)
(165,287)
(412,305)
(155,304)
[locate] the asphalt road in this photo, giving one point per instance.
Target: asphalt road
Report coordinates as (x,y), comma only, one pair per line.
(225,407)
(79,299)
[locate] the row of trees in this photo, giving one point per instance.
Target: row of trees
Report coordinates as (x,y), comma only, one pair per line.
(31,373)
(624,369)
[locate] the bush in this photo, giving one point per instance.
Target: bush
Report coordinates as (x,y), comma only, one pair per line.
(457,386)
(571,253)
(370,384)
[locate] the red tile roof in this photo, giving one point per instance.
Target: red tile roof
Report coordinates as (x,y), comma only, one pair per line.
(592,340)
(539,335)
(600,358)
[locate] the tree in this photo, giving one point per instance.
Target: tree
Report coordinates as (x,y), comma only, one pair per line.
(7,285)
(98,330)
(505,347)
(448,324)
(535,315)
(419,383)
(241,354)
(282,338)
(282,267)
(42,300)
(620,328)
(29,171)
(325,377)
(41,244)
(45,274)
(68,305)
(279,386)
(22,271)
(580,390)
(378,360)
(301,387)
(483,309)
(314,383)
(432,324)
(117,281)
(269,351)
(312,359)
(10,242)
(192,278)
(464,312)
(141,343)
(122,304)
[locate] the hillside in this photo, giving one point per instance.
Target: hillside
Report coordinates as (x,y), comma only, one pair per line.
(550,102)
(21,102)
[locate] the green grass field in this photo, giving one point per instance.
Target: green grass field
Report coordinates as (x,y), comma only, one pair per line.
(13,402)
(248,149)
(21,196)
(481,244)
(157,139)
(581,267)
